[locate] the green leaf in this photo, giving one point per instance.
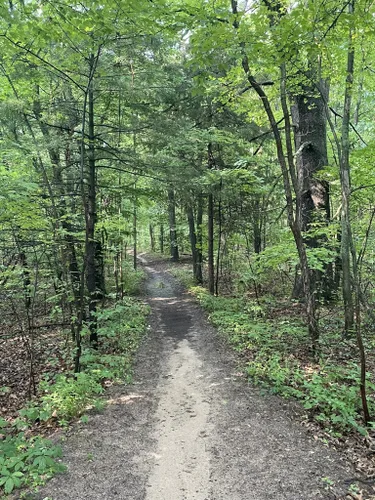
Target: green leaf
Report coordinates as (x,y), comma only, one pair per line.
(5,472)
(9,485)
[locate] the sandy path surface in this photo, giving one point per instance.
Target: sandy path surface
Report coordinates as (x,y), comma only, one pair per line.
(190,428)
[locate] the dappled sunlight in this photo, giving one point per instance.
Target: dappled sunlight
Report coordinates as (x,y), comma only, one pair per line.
(124,400)
(172,302)
(163,299)
(311,369)
(169,300)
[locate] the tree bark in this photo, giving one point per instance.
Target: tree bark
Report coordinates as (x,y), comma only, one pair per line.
(135,234)
(210,255)
(172,226)
(218,256)
(192,237)
(257,227)
(348,250)
(152,237)
(161,238)
(310,134)
(346,235)
(199,239)
(91,218)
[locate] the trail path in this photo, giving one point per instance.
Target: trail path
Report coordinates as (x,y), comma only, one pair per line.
(189,427)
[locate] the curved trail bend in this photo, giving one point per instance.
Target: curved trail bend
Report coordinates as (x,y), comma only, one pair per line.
(189,427)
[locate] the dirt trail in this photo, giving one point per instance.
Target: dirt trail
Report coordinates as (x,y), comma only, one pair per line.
(190,428)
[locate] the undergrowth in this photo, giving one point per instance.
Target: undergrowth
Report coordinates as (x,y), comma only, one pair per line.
(29,460)
(132,279)
(275,354)
(183,275)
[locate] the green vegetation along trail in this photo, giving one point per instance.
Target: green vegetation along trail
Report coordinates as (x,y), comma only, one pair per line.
(190,427)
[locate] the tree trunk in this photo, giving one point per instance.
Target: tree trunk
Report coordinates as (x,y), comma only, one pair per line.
(100,271)
(152,237)
(121,257)
(193,238)
(195,250)
(116,268)
(161,238)
(346,236)
(310,134)
(310,126)
(135,235)
(218,242)
(199,245)
(211,268)
(172,226)
(257,227)
(348,250)
(22,259)
(289,181)
(91,217)
(69,255)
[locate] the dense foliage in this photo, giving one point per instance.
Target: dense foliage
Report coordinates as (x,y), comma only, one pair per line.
(238,132)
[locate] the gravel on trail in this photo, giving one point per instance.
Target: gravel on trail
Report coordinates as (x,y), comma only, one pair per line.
(189,427)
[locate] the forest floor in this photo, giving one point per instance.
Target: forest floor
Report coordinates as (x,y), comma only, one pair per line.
(190,427)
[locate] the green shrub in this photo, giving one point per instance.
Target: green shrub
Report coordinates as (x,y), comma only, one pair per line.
(132,279)
(282,376)
(333,397)
(329,392)
(68,397)
(121,326)
(26,461)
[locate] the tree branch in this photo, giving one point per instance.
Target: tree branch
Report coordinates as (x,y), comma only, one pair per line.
(351,125)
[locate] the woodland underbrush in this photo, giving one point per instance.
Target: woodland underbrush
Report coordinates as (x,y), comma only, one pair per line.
(27,457)
(270,335)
